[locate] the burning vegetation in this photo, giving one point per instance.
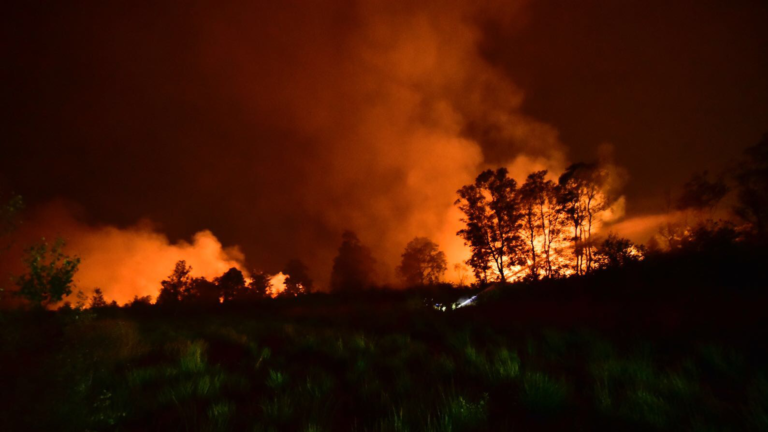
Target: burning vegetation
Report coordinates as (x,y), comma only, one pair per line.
(422,254)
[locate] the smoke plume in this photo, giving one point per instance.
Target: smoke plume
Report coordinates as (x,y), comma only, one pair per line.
(124,262)
(399,105)
(277,126)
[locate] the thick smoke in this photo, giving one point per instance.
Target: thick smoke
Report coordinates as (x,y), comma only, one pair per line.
(124,262)
(398,103)
(278,125)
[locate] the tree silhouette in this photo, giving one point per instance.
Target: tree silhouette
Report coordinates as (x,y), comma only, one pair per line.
(143,302)
(480,262)
(297,280)
(616,252)
(492,218)
(260,285)
(50,274)
(542,222)
(582,197)
(176,285)
(422,263)
(201,291)
(354,266)
(97,299)
(231,284)
(752,188)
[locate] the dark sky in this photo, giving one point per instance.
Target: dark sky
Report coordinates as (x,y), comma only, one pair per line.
(278,126)
(676,86)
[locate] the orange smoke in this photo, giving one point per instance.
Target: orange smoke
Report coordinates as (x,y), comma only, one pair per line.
(132,262)
(400,99)
(123,262)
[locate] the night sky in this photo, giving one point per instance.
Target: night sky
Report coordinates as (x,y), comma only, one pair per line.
(278,125)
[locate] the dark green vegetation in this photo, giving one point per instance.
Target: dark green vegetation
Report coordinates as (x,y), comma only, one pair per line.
(619,350)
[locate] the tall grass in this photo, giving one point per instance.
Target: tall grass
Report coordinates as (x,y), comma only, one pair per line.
(217,373)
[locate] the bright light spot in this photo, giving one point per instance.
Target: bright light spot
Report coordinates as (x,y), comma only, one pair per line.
(278,284)
(466,302)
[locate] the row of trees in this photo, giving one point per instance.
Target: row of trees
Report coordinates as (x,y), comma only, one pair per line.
(541,229)
(180,287)
(513,230)
(701,223)
(422,263)
(547,229)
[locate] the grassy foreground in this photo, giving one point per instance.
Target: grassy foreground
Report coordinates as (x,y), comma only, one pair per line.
(325,364)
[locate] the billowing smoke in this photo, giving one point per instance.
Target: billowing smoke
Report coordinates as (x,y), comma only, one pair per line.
(278,125)
(399,104)
(133,261)
(125,262)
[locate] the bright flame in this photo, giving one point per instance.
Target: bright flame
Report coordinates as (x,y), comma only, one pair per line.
(278,284)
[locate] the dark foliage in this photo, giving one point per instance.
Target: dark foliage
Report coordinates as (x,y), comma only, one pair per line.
(297,280)
(50,274)
(354,266)
(422,263)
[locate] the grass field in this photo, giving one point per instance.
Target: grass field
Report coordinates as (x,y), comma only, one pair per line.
(331,364)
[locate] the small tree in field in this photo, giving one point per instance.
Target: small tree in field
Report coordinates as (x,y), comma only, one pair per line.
(423,263)
(97,299)
(50,274)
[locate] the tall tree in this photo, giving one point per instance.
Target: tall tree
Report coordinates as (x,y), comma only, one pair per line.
(297,280)
(422,262)
(542,221)
(354,266)
(50,274)
(582,197)
(176,285)
(492,218)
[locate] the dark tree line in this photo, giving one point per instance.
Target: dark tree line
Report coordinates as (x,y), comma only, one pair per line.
(742,192)
(232,286)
